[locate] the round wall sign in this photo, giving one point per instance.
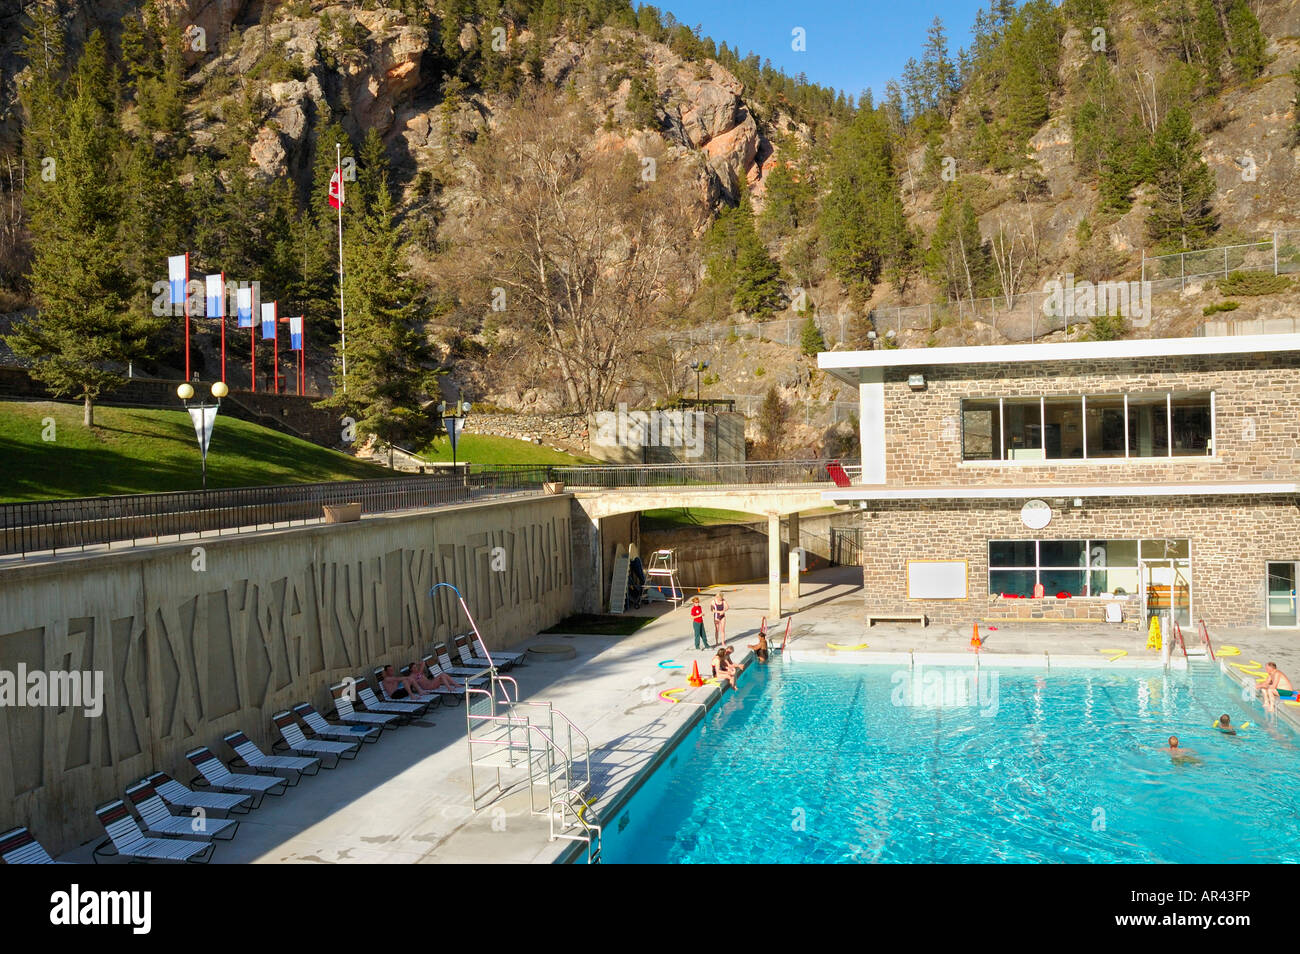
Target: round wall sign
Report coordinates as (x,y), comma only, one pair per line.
(1036,514)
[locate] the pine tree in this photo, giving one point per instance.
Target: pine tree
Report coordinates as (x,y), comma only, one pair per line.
(862,219)
(757,274)
(773,416)
(958,258)
(1182,212)
(82,332)
(1295,107)
(389,374)
(811,341)
(1246,40)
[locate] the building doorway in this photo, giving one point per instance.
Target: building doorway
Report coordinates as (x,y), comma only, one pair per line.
(1281,595)
(1165,577)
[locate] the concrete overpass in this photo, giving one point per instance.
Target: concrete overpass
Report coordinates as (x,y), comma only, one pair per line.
(592,506)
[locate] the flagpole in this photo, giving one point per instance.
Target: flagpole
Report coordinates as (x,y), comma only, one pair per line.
(185,303)
(224,306)
(275,346)
(254,319)
(302,357)
(343,327)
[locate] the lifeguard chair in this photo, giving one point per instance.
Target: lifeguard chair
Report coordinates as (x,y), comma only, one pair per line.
(661,577)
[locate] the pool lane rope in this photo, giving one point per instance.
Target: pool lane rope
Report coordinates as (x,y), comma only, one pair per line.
(1118,653)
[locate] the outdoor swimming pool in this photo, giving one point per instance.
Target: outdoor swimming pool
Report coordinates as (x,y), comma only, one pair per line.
(847,763)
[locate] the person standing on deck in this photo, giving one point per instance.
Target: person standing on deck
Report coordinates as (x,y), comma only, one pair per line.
(697,624)
(719,607)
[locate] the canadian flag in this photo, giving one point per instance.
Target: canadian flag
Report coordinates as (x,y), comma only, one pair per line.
(336,188)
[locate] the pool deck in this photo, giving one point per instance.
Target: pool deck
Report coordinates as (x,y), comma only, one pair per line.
(406,798)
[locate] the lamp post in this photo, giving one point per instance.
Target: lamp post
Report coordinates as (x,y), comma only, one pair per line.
(699,367)
(204,415)
(453,422)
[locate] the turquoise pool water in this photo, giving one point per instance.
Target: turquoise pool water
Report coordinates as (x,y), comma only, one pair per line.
(826,763)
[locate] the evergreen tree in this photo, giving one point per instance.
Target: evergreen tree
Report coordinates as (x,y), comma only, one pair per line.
(958,258)
(862,220)
(82,332)
(811,341)
(1182,214)
(757,274)
(1246,40)
(1295,107)
(389,360)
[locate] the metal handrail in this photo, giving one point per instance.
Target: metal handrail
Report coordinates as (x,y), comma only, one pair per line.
(1205,635)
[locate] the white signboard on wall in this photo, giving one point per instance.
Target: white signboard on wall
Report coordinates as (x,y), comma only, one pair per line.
(936,579)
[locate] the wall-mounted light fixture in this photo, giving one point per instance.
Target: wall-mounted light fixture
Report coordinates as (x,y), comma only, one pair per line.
(916,382)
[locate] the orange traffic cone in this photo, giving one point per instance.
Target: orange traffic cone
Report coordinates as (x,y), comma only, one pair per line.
(695,679)
(975,642)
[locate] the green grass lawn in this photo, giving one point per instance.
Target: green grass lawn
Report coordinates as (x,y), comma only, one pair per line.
(674,517)
(138,450)
(490,450)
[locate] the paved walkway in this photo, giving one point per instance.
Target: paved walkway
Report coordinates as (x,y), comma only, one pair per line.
(406,798)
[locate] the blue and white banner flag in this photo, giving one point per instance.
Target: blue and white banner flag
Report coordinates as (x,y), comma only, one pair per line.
(244,306)
(178,273)
(295,333)
(268,321)
(216,296)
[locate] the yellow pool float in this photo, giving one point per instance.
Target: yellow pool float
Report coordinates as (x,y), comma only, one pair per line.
(1118,653)
(667,694)
(846,648)
(1229,651)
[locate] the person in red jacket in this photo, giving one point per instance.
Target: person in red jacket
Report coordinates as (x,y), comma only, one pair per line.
(697,623)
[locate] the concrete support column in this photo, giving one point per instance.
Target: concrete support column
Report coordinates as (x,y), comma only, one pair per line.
(796,555)
(773,568)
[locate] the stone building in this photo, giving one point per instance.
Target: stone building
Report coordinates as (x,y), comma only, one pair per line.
(1077,480)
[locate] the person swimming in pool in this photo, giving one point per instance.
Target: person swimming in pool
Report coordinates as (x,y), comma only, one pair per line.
(1178,753)
(1224,725)
(1276,686)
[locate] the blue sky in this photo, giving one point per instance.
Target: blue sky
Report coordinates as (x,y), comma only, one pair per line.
(850,45)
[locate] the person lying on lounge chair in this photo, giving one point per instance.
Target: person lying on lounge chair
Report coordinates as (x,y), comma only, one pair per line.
(398,687)
(429,683)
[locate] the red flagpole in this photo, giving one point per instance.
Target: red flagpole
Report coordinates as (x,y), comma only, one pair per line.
(185,303)
(222,299)
(256,306)
(275,345)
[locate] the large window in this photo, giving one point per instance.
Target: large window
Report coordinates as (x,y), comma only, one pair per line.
(1089,427)
(1077,567)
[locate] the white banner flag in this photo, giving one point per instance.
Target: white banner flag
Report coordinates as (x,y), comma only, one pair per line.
(454,424)
(203,418)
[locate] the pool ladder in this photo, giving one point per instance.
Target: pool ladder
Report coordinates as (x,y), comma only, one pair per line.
(538,739)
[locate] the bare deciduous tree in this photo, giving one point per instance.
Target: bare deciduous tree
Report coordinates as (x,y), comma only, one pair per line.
(591,246)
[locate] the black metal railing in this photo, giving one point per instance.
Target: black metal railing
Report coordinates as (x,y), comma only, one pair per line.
(739,473)
(52,525)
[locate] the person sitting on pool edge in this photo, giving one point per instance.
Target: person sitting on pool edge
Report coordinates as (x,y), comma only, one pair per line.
(723,667)
(1276,686)
(760,648)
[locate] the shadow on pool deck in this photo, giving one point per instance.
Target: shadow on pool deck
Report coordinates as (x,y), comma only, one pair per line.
(406,798)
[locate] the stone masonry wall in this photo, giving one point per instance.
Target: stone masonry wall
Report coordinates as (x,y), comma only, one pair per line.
(1257,433)
(569,430)
(1232,538)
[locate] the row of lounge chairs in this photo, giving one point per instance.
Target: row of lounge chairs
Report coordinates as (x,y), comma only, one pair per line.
(157,834)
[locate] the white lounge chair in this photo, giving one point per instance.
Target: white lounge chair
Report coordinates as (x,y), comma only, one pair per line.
(158,819)
(294,767)
(174,793)
(467,657)
(436,669)
(450,669)
(346,713)
(408,710)
(213,772)
(18,846)
(319,728)
(293,739)
(130,842)
(426,699)
(498,655)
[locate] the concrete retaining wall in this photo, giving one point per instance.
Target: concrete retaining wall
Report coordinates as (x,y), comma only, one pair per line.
(193,644)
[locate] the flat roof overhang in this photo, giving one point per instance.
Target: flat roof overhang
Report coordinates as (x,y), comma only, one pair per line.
(849,365)
(843,495)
